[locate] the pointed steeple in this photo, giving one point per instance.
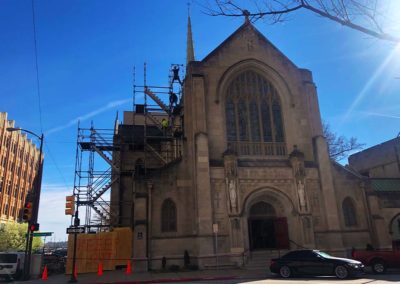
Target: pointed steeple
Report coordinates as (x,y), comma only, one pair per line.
(189,43)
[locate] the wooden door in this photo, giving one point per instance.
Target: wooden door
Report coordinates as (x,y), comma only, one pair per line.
(281,233)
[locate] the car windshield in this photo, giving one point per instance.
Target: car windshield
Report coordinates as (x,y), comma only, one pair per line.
(323,254)
(8,258)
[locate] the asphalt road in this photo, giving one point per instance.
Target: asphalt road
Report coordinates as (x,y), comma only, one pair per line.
(370,279)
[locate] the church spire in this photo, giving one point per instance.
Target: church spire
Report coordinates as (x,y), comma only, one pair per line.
(189,43)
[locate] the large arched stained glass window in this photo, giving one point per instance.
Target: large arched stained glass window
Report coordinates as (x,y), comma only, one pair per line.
(349,212)
(168,216)
(253,113)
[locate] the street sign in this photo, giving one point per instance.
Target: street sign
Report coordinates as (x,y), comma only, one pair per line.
(41,234)
(215,228)
(75,230)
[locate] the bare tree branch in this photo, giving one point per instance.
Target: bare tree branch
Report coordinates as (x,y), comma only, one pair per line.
(360,15)
(339,146)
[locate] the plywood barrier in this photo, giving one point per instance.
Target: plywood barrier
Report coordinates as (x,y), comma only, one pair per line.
(110,248)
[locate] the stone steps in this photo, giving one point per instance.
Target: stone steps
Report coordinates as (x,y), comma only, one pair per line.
(260,260)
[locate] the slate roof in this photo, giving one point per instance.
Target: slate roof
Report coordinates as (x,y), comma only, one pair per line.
(385,184)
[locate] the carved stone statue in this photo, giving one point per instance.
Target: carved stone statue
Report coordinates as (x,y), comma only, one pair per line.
(232,192)
(230,164)
(302,194)
(299,173)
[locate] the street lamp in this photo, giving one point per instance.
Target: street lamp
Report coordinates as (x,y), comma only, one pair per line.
(35,198)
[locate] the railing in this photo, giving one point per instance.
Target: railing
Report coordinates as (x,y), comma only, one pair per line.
(298,246)
(258,148)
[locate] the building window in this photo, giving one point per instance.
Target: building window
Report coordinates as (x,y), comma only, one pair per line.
(8,188)
(253,116)
(168,216)
(349,212)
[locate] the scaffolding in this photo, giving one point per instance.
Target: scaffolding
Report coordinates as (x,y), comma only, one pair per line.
(158,118)
(95,174)
(153,139)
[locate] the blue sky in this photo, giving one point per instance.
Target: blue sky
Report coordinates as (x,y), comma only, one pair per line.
(87,50)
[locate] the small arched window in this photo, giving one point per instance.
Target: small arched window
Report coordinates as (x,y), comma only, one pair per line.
(349,212)
(253,116)
(168,216)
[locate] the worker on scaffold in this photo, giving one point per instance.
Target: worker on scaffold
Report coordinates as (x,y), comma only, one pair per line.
(173,99)
(164,125)
(175,75)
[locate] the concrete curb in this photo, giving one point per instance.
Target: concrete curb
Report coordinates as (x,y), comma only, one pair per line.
(183,279)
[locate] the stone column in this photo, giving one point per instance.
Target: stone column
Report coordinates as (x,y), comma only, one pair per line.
(233,201)
(333,237)
(297,162)
(140,232)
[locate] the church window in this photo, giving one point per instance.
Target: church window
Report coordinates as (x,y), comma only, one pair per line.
(253,115)
(349,212)
(168,216)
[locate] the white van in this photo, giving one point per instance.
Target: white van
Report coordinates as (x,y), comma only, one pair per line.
(11,264)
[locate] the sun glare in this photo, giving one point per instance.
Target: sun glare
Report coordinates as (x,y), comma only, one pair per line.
(391,17)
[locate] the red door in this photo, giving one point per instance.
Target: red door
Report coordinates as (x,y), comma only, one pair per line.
(281,233)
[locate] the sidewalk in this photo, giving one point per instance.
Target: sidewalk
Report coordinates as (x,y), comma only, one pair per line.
(119,276)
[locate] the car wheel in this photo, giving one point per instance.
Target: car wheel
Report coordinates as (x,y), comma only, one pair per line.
(285,272)
(378,266)
(341,272)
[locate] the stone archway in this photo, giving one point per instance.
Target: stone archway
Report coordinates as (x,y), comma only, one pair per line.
(267,220)
(394,229)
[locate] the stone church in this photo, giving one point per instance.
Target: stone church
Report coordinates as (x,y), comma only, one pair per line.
(241,167)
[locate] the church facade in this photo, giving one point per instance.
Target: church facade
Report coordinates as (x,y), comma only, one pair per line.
(252,172)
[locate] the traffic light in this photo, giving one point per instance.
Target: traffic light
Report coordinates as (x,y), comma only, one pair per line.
(70,205)
(27,213)
(34,227)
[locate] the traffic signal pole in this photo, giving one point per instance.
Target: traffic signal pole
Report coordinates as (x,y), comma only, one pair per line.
(35,213)
(73,269)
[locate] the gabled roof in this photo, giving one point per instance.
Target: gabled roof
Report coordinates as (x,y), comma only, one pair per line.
(346,169)
(242,29)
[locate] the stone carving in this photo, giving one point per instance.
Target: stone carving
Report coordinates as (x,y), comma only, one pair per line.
(230,163)
(299,172)
(302,194)
(232,192)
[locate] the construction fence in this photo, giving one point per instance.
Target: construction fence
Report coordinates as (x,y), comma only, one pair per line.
(112,249)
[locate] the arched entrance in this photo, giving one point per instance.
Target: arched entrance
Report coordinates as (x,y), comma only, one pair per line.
(266,229)
(395,231)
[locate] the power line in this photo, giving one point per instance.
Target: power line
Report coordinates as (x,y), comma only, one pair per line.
(36,65)
(55,164)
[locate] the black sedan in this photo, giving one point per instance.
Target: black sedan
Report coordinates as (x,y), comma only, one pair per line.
(316,263)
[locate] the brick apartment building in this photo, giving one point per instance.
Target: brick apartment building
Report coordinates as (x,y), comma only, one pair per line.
(19,162)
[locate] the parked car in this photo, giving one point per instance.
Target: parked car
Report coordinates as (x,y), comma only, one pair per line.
(315,263)
(379,260)
(11,264)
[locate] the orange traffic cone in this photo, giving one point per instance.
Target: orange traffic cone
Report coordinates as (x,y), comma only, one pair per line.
(45,274)
(100,269)
(128,268)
